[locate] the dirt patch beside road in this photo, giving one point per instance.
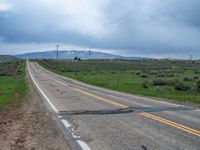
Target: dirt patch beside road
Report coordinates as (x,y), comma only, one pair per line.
(27,125)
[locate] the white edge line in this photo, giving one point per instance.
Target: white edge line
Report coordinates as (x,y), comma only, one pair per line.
(82,144)
(50,103)
(67,125)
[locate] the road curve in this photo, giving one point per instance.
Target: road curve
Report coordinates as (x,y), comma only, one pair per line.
(102,119)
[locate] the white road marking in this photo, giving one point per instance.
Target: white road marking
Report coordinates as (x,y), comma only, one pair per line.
(67,125)
(47,99)
(60,117)
(82,144)
(70,128)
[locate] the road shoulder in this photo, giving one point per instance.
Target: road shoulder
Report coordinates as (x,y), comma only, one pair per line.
(28,125)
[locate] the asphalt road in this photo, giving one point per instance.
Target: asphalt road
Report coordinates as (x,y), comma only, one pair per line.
(110,120)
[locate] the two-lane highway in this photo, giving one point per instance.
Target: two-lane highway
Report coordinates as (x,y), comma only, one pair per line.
(103,119)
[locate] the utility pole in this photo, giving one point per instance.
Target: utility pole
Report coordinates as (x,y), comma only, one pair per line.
(191,57)
(57,47)
(89,52)
(42,55)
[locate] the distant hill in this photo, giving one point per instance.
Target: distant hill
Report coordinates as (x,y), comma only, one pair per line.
(7,58)
(71,54)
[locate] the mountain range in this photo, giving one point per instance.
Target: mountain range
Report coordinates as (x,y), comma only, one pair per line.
(72,53)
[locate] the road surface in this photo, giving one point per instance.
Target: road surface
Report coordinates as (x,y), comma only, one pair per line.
(102,119)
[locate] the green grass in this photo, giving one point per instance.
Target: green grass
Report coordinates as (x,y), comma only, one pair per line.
(127,80)
(13,88)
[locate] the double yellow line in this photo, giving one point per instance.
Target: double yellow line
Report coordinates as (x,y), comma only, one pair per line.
(171,123)
(148,115)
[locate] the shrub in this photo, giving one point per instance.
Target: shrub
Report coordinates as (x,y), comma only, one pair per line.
(145,84)
(153,73)
(62,70)
(187,79)
(161,75)
(137,73)
(181,86)
(144,76)
(9,68)
(198,85)
(170,75)
(171,82)
(159,82)
(195,77)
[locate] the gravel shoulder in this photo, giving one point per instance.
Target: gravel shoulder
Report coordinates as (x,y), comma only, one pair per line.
(27,125)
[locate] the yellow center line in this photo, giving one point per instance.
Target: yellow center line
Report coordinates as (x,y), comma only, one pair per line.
(148,115)
(64,84)
(102,99)
(193,131)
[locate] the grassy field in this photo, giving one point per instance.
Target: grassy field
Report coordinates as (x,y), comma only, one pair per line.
(12,82)
(175,80)
(7,58)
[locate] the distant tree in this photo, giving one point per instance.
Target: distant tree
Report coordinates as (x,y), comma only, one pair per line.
(77,59)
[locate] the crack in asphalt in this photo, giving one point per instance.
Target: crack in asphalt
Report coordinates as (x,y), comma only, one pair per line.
(123,110)
(97,112)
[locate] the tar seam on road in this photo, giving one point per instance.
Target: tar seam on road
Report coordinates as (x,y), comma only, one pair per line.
(67,125)
(148,115)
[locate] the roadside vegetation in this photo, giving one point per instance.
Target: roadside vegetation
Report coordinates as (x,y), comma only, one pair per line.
(7,58)
(168,79)
(12,81)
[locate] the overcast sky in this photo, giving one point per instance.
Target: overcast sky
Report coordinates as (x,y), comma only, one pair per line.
(151,28)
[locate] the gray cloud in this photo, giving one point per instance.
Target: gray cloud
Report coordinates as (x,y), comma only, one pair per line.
(132,27)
